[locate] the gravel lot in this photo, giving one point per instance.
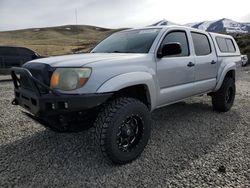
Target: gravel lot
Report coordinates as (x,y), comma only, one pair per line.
(191,146)
(4,77)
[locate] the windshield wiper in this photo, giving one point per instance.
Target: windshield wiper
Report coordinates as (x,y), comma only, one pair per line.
(116,51)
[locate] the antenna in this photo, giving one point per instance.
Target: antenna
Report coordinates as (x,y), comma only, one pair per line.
(77,33)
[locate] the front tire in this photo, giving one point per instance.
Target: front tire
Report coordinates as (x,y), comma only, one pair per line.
(123,129)
(223,99)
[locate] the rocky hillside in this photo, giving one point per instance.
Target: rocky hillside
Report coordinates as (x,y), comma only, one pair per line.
(218,26)
(222,26)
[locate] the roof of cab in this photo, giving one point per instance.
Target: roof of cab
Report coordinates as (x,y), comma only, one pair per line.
(165,27)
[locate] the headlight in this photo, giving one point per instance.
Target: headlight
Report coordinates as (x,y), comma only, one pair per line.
(68,79)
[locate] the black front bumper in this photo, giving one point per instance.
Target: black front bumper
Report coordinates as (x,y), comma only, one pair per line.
(41,100)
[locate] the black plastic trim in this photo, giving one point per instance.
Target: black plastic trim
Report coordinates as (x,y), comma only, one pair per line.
(53,102)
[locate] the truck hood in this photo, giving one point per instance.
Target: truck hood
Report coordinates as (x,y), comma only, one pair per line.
(79,60)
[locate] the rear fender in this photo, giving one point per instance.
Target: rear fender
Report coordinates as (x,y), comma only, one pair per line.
(226,69)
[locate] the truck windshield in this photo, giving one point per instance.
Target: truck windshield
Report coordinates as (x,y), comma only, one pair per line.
(135,41)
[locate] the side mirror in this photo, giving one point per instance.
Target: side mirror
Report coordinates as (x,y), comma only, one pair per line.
(170,49)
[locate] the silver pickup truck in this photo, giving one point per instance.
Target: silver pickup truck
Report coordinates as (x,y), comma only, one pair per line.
(123,79)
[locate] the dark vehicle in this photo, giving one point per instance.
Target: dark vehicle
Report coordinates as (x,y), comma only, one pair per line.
(15,56)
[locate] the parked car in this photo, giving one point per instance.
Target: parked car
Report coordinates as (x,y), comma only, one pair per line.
(15,56)
(123,79)
(244,60)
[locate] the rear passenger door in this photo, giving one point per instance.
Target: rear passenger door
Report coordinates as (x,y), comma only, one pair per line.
(205,62)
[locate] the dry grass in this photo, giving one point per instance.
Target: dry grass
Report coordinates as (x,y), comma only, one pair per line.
(56,40)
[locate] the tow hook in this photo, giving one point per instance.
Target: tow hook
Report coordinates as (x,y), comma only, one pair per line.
(14,102)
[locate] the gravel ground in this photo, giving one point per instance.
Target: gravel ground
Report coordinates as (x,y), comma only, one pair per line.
(4,77)
(190,146)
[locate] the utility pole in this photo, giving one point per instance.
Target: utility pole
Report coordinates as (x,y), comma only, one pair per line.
(77,34)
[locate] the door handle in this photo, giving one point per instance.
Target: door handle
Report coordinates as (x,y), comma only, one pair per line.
(190,64)
(213,62)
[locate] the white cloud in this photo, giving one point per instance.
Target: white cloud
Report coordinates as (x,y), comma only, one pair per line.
(246,18)
(17,14)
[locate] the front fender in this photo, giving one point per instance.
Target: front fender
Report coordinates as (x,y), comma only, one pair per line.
(130,79)
(224,71)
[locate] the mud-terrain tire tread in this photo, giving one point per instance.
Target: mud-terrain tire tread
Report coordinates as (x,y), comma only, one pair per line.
(218,98)
(110,111)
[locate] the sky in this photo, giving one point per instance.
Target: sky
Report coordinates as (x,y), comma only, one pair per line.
(20,14)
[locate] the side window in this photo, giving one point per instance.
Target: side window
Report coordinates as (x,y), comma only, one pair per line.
(225,44)
(25,52)
(1,51)
(8,51)
(222,44)
(201,44)
(230,45)
(180,37)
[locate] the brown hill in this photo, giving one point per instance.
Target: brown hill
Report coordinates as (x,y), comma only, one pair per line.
(56,40)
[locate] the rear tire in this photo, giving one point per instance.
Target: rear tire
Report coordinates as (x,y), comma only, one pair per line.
(123,129)
(223,99)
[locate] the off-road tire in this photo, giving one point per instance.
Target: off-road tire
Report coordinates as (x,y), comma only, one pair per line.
(108,124)
(223,99)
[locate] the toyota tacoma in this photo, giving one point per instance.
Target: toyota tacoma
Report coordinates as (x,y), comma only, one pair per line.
(123,79)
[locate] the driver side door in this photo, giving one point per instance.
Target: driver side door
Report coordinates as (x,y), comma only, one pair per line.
(176,73)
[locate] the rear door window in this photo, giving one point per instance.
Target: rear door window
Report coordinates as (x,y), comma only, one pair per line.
(202,45)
